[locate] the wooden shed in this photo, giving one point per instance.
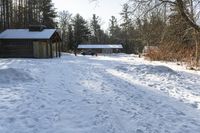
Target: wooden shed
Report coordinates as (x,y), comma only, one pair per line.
(30,43)
(102,48)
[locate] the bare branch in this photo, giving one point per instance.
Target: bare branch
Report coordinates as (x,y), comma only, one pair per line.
(181,7)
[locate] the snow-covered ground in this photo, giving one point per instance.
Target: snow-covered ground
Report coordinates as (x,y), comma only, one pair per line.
(105,94)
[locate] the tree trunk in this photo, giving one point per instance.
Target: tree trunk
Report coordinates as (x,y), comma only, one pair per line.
(4,15)
(197,49)
(182,8)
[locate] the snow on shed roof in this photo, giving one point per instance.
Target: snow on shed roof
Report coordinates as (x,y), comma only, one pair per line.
(26,34)
(100,46)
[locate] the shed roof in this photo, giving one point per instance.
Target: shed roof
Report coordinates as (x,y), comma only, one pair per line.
(26,34)
(100,46)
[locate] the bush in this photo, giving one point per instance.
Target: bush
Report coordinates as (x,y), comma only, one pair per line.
(173,52)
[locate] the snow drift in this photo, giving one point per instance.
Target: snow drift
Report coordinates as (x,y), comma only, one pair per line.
(11,75)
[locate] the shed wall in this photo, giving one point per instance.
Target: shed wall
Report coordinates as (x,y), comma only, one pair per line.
(107,51)
(16,49)
(41,49)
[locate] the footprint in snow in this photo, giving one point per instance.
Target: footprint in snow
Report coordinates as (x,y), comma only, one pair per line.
(195,105)
(61,102)
(3,107)
(139,131)
(68,91)
(50,94)
(42,107)
(11,120)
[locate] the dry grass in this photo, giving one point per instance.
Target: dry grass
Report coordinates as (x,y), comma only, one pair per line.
(175,53)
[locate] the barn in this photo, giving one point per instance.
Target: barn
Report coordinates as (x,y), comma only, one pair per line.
(102,48)
(35,42)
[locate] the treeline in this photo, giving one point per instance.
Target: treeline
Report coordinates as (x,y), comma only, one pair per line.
(169,28)
(76,30)
(22,13)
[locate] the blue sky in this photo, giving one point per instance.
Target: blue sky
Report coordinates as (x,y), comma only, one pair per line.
(103,8)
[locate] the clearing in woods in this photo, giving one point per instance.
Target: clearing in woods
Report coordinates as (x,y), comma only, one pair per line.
(105,94)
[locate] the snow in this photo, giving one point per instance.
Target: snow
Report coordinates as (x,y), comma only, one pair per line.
(11,75)
(26,34)
(104,94)
(100,46)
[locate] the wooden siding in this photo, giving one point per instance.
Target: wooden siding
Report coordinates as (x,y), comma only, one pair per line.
(41,49)
(16,49)
(31,48)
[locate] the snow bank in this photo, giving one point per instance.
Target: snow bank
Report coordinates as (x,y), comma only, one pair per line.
(11,75)
(173,81)
(148,69)
(151,69)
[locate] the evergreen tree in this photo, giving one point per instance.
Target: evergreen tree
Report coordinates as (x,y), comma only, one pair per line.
(126,27)
(70,40)
(48,13)
(22,13)
(126,14)
(95,29)
(114,30)
(81,30)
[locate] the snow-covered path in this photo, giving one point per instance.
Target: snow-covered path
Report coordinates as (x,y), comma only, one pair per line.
(117,94)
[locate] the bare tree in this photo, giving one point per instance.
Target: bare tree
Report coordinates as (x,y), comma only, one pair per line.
(189,11)
(64,23)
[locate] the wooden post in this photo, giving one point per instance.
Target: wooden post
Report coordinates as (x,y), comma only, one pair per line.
(51,49)
(59,49)
(47,49)
(56,49)
(59,45)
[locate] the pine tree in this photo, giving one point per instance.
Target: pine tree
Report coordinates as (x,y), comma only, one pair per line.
(48,13)
(70,41)
(125,14)
(114,30)
(22,13)
(81,30)
(95,29)
(126,26)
